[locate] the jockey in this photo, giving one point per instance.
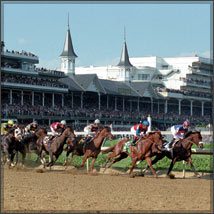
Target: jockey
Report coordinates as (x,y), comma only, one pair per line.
(139,130)
(92,130)
(178,132)
(5,127)
(31,128)
(57,128)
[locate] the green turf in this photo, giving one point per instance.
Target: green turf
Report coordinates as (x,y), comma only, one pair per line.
(202,163)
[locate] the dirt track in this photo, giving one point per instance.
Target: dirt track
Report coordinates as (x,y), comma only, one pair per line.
(74,190)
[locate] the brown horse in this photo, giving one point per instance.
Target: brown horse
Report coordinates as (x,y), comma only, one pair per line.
(55,147)
(145,149)
(181,151)
(92,149)
(117,153)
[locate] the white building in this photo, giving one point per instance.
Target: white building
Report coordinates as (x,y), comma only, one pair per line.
(178,81)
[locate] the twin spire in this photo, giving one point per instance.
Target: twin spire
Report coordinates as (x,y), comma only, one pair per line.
(124,59)
(68,50)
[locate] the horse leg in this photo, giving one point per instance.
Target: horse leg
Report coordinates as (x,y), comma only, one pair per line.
(149,162)
(119,158)
(51,161)
(42,158)
(66,159)
(23,158)
(92,165)
(85,157)
(170,168)
(193,168)
(106,164)
(11,159)
(134,161)
(110,159)
(156,159)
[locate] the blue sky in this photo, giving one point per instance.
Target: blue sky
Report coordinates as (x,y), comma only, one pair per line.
(164,30)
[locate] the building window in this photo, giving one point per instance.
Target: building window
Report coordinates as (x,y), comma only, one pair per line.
(143,76)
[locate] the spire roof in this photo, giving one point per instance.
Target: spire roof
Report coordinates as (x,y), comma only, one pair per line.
(68,46)
(124,59)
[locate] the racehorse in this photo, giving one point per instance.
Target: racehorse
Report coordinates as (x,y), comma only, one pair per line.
(181,151)
(117,153)
(9,145)
(92,149)
(32,142)
(74,147)
(145,149)
(55,146)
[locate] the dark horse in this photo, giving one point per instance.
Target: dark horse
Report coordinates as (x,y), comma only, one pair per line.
(10,145)
(145,149)
(32,142)
(181,151)
(92,149)
(55,146)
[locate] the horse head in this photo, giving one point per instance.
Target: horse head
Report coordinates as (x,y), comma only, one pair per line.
(41,132)
(194,137)
(106,132)
(157,139)
(18,134)
(69,133)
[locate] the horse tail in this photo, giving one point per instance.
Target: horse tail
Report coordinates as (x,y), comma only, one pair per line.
(108,150)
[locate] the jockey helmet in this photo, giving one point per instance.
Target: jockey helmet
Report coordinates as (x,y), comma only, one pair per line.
(10,122)
(63,122)
(186,123)
(145,123)
(97,121)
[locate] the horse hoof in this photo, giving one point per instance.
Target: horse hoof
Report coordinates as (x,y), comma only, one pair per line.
(171,176)
(132,175)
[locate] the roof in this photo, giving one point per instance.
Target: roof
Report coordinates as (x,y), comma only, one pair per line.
(145,89)
(90,82)
(124,59)
(71,83)
(68,46)
(118,88)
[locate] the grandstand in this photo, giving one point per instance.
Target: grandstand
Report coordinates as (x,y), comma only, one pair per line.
(120,95)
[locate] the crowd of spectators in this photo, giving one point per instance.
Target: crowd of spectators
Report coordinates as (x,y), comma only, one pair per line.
(31,80)
(23,53)
(195,81)
(122,118)
(184,92)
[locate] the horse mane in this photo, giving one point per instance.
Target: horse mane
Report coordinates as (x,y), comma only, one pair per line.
(44,129)
(188,134)
(108,128)
(70,127)
(154,132)
(11,130)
